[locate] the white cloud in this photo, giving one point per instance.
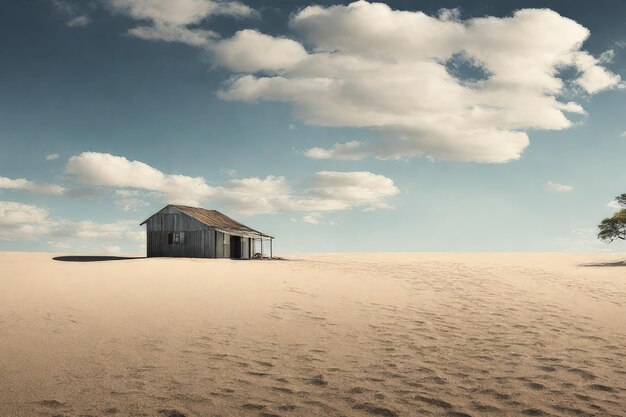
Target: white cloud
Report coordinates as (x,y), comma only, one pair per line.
(561,188)
(229,172)
(179,12)
(17,213)
(352,150)
(325,191)
(173,33)
(21,221)
(594,78)
(607,56)
(52,157)
(252,195)
(316,219)
(374,67)
(170,20)
(251,51)
(614,205)
(130,200)
(23,184)
(311,219)
(331,190)
(79,21)
(77,13)
(96,168)
(623,135)
(131,204)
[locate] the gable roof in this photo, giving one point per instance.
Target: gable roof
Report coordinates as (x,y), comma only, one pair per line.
(214,218)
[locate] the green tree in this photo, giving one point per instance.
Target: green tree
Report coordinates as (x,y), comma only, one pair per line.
(614,227)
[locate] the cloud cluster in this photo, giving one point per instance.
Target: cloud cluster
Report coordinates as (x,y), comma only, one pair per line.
(434,86)
(20,221)
(374,67)
(102,169)
(177,21)
(23,184)
(325,191)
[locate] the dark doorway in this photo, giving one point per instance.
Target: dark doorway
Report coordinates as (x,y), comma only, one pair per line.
(235,247)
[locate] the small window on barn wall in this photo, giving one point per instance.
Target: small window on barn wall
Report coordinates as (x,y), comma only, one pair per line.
(176,238)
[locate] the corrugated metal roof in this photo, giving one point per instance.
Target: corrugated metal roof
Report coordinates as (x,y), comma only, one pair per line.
(218,220)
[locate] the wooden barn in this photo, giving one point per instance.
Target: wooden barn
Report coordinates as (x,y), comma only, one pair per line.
(194,232)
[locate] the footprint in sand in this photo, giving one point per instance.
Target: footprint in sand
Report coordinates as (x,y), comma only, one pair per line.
(374,410)
(582,373)
(251,406)
(547,368)
(533,412)
(51,403)
(257,373)
(283,390)
(171,413)
(599,387)
(535,386)
(434,401)
(483,408)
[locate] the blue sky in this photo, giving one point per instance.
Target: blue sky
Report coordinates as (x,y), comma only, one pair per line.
(399,126)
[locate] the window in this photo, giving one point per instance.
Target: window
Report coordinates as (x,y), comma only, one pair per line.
(175,238)
(226,239)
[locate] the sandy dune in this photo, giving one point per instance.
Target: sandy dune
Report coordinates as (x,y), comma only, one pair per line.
(319,335)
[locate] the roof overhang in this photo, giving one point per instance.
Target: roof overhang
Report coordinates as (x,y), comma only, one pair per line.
(244,234)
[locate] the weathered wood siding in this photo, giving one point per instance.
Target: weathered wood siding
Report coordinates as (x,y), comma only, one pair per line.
(219,244)
(194,245)
(226,246)
(211,242)
(196,241)
(222,245)
(172,220)
(245,247)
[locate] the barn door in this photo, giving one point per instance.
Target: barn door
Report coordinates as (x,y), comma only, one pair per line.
(235,246)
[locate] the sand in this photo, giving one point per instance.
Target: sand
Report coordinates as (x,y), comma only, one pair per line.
(317,335)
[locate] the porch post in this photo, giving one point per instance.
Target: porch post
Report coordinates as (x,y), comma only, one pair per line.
(271,254)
